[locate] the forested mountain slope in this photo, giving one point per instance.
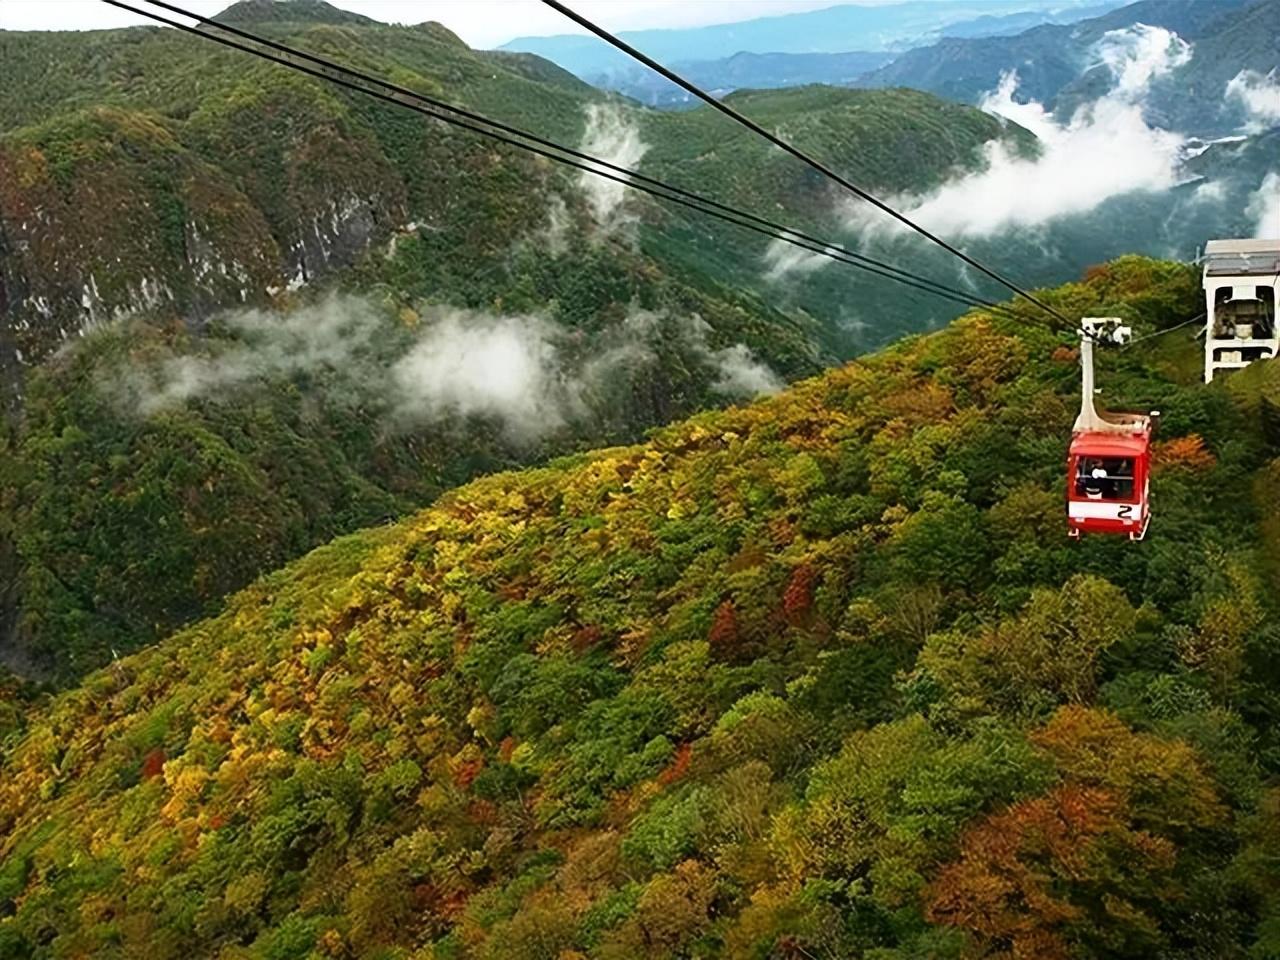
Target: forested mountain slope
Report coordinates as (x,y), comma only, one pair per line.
(150,181)
(898,141)
(1243,43)
(176,174)
(818,676)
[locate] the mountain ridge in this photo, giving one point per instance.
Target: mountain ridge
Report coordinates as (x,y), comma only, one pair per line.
(745,70)
(249,12)
(786,33)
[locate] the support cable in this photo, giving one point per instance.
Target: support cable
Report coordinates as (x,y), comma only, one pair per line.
(817,165)
(547,148)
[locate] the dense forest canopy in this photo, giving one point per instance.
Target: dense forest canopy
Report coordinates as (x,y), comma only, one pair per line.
(816,676)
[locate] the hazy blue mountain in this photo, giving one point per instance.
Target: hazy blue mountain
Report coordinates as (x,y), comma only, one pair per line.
(1008,24)
(1054,58)
(1192,99)
(757,71)
(1226,38)
(835,29)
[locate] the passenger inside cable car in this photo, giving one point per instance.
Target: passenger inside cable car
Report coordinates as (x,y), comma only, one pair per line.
(1105,478)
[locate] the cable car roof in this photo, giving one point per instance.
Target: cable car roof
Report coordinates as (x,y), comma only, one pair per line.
(1108,444)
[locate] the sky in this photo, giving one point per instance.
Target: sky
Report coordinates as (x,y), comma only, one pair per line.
(481,23)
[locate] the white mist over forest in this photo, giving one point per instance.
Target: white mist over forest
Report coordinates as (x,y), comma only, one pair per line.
(612,136)
(1109,158)
(1107,148)
(524,371)
(1260,97)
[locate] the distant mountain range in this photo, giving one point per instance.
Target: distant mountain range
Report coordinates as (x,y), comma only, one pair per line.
(1058,65)
(1007,24)
(1055,59)
(758,71)
(957,51)
(838,29)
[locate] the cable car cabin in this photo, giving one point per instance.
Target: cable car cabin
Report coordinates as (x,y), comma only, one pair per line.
(1109,461)
(1108,483)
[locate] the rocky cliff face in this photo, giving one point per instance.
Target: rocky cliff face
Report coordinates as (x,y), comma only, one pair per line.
(108,213)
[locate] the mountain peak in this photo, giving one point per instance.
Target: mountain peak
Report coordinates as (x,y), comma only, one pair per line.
(438,31)
(290,11)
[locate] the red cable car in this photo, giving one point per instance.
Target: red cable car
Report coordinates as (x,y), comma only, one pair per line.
(1109,463)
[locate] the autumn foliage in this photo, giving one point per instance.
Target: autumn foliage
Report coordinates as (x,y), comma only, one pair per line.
(1183,453)
(723,635)
(818,676)
(797,598)
(1063,868)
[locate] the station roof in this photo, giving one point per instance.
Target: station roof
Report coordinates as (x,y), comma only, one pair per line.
(1242,258)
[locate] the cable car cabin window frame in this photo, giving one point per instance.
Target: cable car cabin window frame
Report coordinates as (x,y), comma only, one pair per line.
(1119,480)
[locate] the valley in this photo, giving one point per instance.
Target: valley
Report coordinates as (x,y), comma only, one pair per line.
(169,205)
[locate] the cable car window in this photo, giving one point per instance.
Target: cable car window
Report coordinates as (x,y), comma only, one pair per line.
(1104,478)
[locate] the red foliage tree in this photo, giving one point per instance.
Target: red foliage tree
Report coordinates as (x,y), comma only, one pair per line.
(584,638)
(679,766)
(153,763)
(466,771)
(723,637)
(797,598)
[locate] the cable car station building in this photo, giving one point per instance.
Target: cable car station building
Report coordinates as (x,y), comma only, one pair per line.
(1242,298)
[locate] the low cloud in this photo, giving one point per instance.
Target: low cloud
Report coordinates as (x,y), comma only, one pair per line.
(783,259)
(524,372)
(555,235)
(1264,208)
(1106,149)
(1213,191)
(334,334)
(740,374)
(611,135)
(473,364)
(1259,96)
(736,372)
(1138,55)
